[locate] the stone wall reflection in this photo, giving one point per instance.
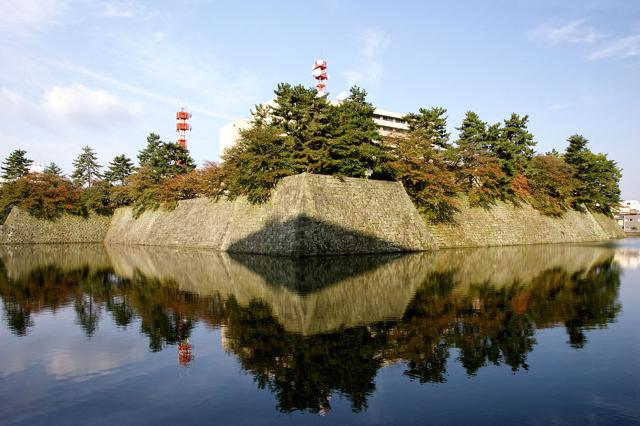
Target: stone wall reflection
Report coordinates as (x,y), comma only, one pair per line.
(307,328)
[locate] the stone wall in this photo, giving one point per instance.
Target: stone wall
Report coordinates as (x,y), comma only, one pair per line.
(20,227)
(505,224)
(306,215)
(316,215)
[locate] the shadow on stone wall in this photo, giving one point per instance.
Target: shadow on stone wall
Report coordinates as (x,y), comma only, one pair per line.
(307,236)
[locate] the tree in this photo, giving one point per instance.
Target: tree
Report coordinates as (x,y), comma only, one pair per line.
(304,118)
(153,143)
(551,183)
(86,168)
(254,165)
(16,165)
(162,159)
(53,169)
(514,147)
(169,159)
(354,149)
(424,174)
(431,125)
(477,171)
(597,176)
(119,169)
(45,196)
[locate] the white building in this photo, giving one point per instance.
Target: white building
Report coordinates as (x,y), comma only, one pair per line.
(629,206)
(229,134)
(388,122)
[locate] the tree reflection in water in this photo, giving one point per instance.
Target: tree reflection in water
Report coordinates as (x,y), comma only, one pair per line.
(486,323)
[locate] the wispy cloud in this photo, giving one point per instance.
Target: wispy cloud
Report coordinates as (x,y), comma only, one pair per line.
(625,47)
(120,9)
(573,32)
(22,17)
(369,69)
(136,90)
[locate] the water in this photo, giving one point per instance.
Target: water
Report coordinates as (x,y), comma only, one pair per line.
(515,335)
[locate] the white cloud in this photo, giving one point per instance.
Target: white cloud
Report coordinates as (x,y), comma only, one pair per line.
(371,46)
(87,107)
(75,105)
(573,32)
(626,47)
(22,17)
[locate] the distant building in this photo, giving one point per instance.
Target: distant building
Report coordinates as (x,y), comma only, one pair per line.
(630,223)
(629,206)
(229,134)
(388,122)
(36,167)
(628,216)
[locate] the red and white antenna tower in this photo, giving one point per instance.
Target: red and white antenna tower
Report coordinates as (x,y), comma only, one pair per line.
(182,126)
(320,74)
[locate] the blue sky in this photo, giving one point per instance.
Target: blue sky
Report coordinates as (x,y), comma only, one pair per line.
(106,73)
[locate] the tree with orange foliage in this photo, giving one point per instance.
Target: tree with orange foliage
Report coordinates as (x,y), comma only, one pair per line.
(43,195)
(423,171)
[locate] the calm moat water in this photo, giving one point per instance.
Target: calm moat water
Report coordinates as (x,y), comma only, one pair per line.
(138,335)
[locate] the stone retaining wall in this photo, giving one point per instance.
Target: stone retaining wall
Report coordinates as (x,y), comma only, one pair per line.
(22,228)
(316,215)
(505,224)
(306,215)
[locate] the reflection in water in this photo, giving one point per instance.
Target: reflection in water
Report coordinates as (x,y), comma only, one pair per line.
(308,328)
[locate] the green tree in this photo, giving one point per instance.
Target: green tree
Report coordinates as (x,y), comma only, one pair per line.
(153,143)
(304,118)
(597,177)
(119,169)
(254,165)
(53,169)
(514,147)
(431,125)
(16,165)
(354,149)
(86,168)
(170,159)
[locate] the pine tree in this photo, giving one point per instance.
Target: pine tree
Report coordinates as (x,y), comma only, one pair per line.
(169,159)
(53,169)
(86,168)
(477,171)
(431,125)
(16,165)
(354,149)
(597,176)
(514,148)
(305,119)
(153,143)
(119,169)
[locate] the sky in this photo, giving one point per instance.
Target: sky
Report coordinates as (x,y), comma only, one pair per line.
(106,73)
